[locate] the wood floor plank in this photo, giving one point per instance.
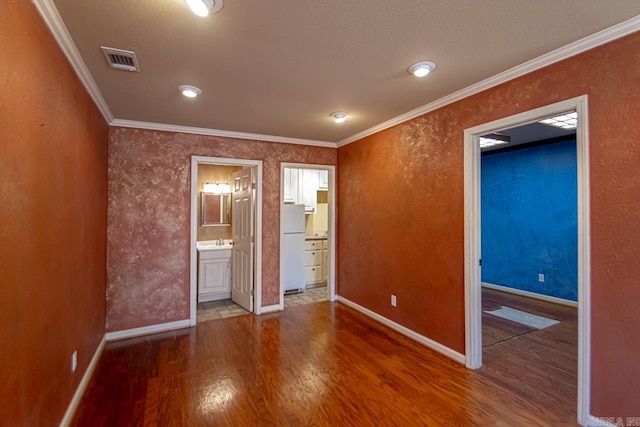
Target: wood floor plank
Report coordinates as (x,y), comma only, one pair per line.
(496,329)
(314,365)
(540,365)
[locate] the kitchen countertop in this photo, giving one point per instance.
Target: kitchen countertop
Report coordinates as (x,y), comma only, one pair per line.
(315,238)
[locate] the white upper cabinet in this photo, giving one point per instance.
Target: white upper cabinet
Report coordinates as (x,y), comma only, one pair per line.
(324,180)
(291,185)
(301,186)
(308,191)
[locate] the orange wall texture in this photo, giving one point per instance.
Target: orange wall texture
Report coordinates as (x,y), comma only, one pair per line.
(402,212)
(149,223)
(53,183)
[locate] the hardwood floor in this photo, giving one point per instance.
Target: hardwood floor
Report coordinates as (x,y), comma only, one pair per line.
(313,365)
(540,364)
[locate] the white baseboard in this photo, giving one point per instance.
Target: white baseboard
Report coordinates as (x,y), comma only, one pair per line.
(73,405)
(602,422)
(528,294)
(146,330)
(444,350)
(270,309)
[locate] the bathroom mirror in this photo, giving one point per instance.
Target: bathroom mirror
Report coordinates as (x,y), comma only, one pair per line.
(215,209)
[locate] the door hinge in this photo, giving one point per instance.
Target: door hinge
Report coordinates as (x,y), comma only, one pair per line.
(253,185)
(480,262)
(251,292)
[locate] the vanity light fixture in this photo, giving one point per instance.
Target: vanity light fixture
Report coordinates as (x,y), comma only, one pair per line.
(216,188)
(189,91)
(421,69)
(207,187)
(339,116)
(204,7)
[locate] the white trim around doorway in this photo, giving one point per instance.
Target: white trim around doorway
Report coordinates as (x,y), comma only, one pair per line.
(472,276)
(193,254)
(331,232)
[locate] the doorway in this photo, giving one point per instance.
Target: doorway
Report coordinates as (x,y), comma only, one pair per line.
(307,269)
(244,260)
(473,260)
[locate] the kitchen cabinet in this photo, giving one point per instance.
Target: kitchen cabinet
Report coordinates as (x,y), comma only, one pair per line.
(325,261)
(214,275)
(291,185)
(323,180)
(314,262)
(308,189)
(301,186)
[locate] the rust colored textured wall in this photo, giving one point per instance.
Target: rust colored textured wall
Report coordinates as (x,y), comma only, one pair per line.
(402,212)
(149,208)
(53,216)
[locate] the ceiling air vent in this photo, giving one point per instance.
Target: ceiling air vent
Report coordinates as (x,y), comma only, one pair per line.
(120,59)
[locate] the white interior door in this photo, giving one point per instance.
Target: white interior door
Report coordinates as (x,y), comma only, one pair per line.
(243,231)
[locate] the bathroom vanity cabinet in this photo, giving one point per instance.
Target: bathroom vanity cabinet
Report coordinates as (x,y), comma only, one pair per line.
(214,268)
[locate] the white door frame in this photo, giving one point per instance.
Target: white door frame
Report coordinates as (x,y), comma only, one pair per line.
(193,254)
(331,232)
(472,256)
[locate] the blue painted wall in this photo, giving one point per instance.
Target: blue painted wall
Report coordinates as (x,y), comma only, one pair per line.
(529,219)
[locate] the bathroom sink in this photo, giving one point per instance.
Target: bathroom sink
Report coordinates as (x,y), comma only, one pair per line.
(213,245)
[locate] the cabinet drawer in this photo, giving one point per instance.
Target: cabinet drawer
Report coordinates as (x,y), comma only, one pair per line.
(310,245)
(313,274)
(312,258)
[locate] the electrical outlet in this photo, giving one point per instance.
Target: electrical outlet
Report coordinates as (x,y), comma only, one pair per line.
(74,361)
(393,300)
(540,277)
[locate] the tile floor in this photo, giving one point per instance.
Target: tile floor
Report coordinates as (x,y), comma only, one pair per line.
(222,309)
(214,310)
(308,296)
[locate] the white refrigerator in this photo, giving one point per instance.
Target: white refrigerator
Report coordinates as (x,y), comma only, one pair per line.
(293,273)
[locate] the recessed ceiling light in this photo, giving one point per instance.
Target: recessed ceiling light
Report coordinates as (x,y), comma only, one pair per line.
(421,69)
(566,121)
(204,7)
(339,116)
(189,91)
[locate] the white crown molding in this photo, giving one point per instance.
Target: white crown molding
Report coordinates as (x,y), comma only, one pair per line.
(222,133)
(605,36)
(52,18)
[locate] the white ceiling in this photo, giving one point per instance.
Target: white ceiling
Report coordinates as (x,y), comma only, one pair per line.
(280,68)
